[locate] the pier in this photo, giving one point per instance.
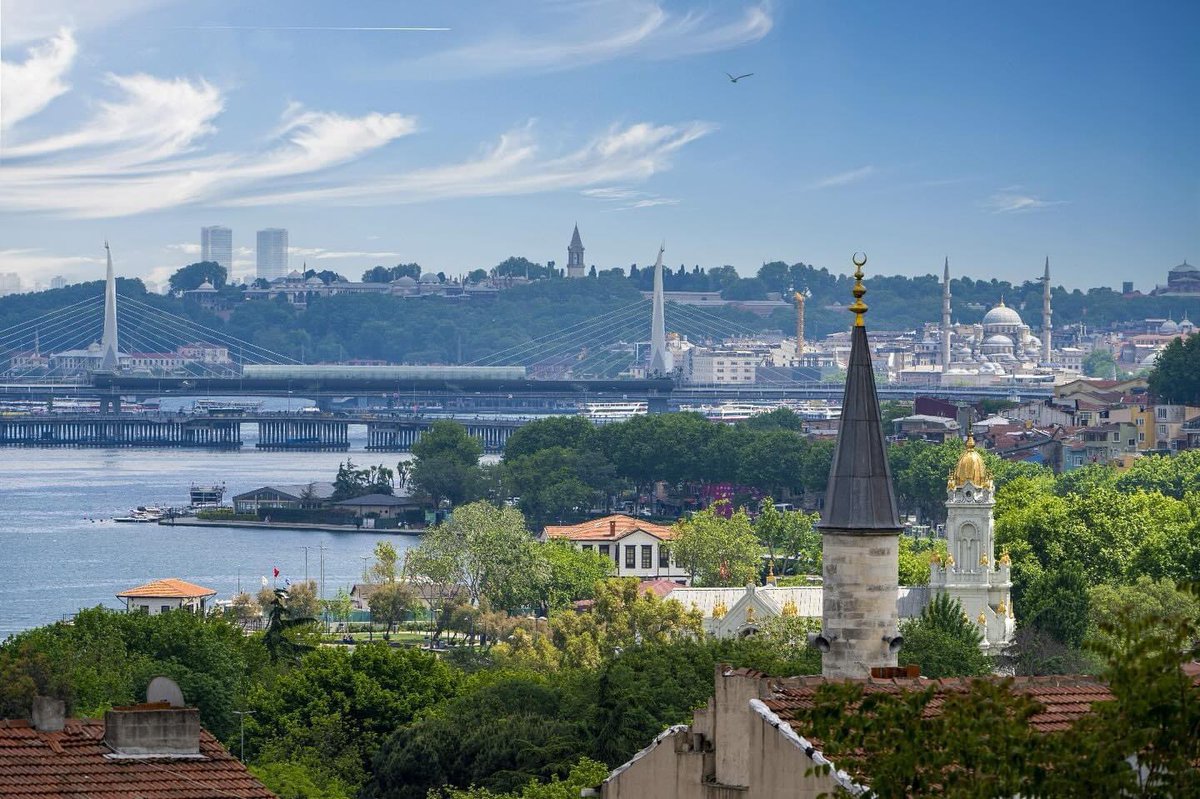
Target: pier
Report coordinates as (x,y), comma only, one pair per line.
(120,430)
(400,435)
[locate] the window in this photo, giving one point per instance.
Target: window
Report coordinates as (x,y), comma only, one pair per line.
(664,556)
(604,550)
(630,556)
(1141,437)
(143,608)
(647,556)
(164,609)
(587,547)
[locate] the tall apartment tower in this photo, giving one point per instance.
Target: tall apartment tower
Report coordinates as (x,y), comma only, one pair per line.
(272,253)
(860,526)
(216,244)
(575,266)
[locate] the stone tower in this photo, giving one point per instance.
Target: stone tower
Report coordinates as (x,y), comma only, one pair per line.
(970,572)
(799,297)
(860,527)
(575,267)
(946,317)
(1046,325)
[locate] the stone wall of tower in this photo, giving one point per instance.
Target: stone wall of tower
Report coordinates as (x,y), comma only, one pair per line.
(860,580)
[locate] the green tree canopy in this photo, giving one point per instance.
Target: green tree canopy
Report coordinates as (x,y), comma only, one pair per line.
(1175,378)
(192,276)
(716,550)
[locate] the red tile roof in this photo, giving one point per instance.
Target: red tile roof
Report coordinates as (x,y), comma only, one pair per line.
(1064,698)
(169,587)
(660,588)
(73,763)
(608,528)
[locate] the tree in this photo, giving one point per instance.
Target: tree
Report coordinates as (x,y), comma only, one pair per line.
(944,642)
(384,274)
(1100,363)
(289,780)
(914,557)
(1058,604)
(1157,601)
(351,482)
(1175,378)
(446,465)
(244,607)
(790,535)
(192,276)
(385,567)
(586,773)
(716,550)
(302,599)
(339,608)
(282,623)
(390,603)
(570,575)
(551,484)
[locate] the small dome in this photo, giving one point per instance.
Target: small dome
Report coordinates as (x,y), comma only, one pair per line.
(970,468)
(998,340)
(405,282)
(294,275)
(315,281)
(206,286)
(1002,315)
(1168,328)
(1184,267)
(430,277)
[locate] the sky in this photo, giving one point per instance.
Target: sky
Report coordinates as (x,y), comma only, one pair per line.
(458,134)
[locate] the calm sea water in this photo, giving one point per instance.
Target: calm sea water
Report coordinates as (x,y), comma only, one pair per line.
(60,550)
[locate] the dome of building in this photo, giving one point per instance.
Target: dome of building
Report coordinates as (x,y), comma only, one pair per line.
(1184,267)
(970,468)
(315,281)
(998,340)
(1168,328)
(404,282)
(1149,360)
(206,286)
(1186,325)
(1002,315)
(430,277)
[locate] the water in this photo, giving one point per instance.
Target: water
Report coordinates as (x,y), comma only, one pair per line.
(60,551)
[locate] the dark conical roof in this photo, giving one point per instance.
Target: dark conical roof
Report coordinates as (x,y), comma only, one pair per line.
(859,497)
(576,242)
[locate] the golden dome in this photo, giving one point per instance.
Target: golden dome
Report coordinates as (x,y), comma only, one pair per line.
(970,468)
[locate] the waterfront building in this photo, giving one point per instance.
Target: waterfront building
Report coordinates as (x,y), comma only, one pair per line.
(382,506)
(305,496)
(271,253)
(637,548)
(575,267)
(216,245)
(163,596)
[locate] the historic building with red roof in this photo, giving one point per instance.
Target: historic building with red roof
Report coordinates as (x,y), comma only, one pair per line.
(638,548)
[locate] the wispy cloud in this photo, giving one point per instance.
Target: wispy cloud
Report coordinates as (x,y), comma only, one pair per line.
(37,264)
(320,254)
(844,178)
(1013,200)
(621,198)
(31,85)
(187,248)
(596,32)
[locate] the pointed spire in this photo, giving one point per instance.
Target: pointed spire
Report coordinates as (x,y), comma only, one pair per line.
(661,362)
(109,357)
(576,242)
(1046,277)
(946,272)
(859,498)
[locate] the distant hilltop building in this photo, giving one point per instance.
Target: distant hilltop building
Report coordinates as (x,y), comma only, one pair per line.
(58,282)
(10,283)
(272,253)
(1182,279)
(575,267)
(216,245)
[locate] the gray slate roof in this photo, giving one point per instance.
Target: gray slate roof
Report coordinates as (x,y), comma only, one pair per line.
(859,498)
(376,500)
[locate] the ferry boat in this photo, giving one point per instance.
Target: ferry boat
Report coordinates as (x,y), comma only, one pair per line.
(206,496)
(142,514)
(227,406)
(604,412)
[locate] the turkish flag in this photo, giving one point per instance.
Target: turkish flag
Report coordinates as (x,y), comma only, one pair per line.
(276,570)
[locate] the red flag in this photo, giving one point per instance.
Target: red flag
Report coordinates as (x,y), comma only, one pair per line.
(276,570)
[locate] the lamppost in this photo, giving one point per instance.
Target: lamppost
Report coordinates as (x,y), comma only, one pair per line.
(241,714)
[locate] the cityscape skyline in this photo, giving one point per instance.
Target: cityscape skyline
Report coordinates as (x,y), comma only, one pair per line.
(513,124)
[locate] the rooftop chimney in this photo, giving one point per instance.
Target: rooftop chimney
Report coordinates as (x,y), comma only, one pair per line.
(612,527)
(49,714)
(153,729)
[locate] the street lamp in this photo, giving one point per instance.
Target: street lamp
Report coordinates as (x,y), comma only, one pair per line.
(241,714)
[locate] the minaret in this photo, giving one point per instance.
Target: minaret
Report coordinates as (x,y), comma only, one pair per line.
(661,362)
(798,296)
(109,358)
(1046,326)
(946,317)
(860,527)
(575,255)
(970,572)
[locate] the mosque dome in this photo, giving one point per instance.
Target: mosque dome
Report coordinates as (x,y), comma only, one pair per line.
(1002,315)
(430,277)
(1168,328)
(404,282)
(1186,325)
(970,468)
(1185,267)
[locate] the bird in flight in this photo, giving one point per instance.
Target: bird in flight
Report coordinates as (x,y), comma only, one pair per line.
(732,79)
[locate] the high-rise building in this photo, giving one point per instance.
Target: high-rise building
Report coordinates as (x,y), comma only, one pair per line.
(272,253)
(10,283)
(216,244)
(58,282)
(575,266)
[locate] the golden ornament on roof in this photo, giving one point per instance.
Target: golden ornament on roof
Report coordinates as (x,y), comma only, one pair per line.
(934,558)
(982,618)
(984,560)
(719,610)
(789,608)
(859,307)
(750,613)
(1002,608)
(1005,559)
(970,469)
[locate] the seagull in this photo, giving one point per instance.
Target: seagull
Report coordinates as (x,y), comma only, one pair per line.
(732,79)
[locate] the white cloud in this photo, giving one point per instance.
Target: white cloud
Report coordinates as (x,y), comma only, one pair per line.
(1012,200)
(185,248)
(595,32)
(844,178)
(38,265)
(621,198)
(320,254)
(31,85)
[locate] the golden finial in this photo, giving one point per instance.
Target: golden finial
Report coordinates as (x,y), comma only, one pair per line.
(750,614)
(949,561)
(771,572)
(934,558)
(982,619)
(789,608)
(859,307)
(719,610)
(1002,608)
(1005,558)
(984,560)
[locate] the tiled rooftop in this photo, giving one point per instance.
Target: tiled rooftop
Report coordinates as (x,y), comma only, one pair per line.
(169,587)
(608,528)
(73,763)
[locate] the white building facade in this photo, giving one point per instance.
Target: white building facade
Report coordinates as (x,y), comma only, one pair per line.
(272,253)
(637,548)
(216,245)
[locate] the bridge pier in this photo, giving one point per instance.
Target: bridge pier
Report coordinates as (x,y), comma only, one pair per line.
(119,431)
(303,434)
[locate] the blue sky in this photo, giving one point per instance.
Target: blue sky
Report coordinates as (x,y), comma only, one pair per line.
(995,134)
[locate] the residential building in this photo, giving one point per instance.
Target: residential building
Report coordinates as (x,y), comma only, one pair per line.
(271,253)
(1168,425)
(749,741)
(926,427)
(162,596)
(706,367)
(10,283)
(637,548)
(379,506)
(303,496)
(216,245)
(155,750)
(58,282)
